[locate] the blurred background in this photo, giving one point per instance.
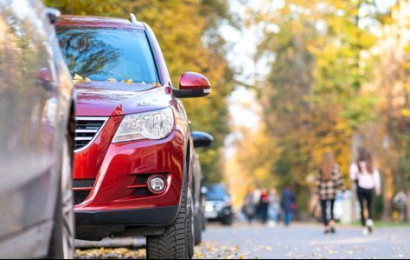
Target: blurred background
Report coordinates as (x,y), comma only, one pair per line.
(292,80)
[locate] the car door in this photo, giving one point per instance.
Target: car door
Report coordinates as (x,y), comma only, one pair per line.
(28,107)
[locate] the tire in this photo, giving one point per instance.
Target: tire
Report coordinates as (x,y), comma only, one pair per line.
(62,238)
(199,228)
(228,221)
(177,241)
(191,227)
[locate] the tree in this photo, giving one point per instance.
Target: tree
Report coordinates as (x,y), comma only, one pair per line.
(392,84)
(314,97)
(89,7)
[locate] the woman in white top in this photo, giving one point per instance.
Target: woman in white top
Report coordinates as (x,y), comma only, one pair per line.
(367,177)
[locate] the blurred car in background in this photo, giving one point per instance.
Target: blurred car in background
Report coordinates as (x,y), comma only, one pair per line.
(135,173)
(218,206)
(36,135)
(201,140)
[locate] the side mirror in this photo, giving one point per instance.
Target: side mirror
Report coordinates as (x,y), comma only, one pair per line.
(193,85)
(44,79)
(202,140)
(53,15)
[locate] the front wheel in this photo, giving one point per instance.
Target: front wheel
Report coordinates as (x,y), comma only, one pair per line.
(177,240)
(62,239)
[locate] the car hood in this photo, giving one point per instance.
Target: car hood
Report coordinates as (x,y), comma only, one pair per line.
(111,99)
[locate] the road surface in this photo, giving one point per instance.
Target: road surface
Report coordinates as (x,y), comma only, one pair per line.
(256,241)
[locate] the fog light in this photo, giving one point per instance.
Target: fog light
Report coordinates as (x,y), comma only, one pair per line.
(156,184)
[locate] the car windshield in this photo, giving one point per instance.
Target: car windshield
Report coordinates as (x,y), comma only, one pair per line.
(103,54)
(216,192)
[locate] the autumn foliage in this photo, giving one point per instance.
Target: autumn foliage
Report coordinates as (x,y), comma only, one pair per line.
(339,72)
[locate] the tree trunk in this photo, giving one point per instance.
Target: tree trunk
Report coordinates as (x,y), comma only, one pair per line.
(388,194)
(357,143)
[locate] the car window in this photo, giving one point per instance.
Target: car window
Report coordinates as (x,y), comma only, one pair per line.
(216,193)
(103,54)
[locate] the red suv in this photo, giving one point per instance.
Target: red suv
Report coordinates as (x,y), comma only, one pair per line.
(136,172)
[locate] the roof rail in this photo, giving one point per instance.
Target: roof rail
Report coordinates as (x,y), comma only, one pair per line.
(133,18)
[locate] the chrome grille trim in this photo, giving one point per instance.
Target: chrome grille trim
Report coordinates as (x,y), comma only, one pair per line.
(88,133)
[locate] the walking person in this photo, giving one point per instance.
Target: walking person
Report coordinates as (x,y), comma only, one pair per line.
(288,205)
(273,208)
(249,207)
(256,198)
(367,178)
(329,182)
(264,206)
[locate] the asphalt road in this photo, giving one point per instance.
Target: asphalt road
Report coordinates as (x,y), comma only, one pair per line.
(256,241)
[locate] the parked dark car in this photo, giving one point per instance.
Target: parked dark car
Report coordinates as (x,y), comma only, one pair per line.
(218,206)
(36,135)
(201,140)
(136,173)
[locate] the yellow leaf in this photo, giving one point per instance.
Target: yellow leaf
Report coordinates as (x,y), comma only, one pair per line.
(78,79)
(112,80)
(88,80)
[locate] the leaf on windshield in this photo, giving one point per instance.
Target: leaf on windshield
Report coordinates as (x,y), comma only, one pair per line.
(130,81)
(112,80)
(88,80)
(156,84)
(78,79)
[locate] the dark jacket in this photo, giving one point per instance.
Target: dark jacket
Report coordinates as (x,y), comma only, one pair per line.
(288,200)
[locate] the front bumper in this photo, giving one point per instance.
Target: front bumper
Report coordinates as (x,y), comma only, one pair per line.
(118,173)
(139,217)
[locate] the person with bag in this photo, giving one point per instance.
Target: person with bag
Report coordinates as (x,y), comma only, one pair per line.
(367,178)
(328,183)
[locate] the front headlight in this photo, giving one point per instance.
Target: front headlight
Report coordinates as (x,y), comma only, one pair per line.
(153,125)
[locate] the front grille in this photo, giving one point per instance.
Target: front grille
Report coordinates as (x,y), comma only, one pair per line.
(83,183)
(87,130)
(80,196)
(142,192)
(143,178)
(82,189)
